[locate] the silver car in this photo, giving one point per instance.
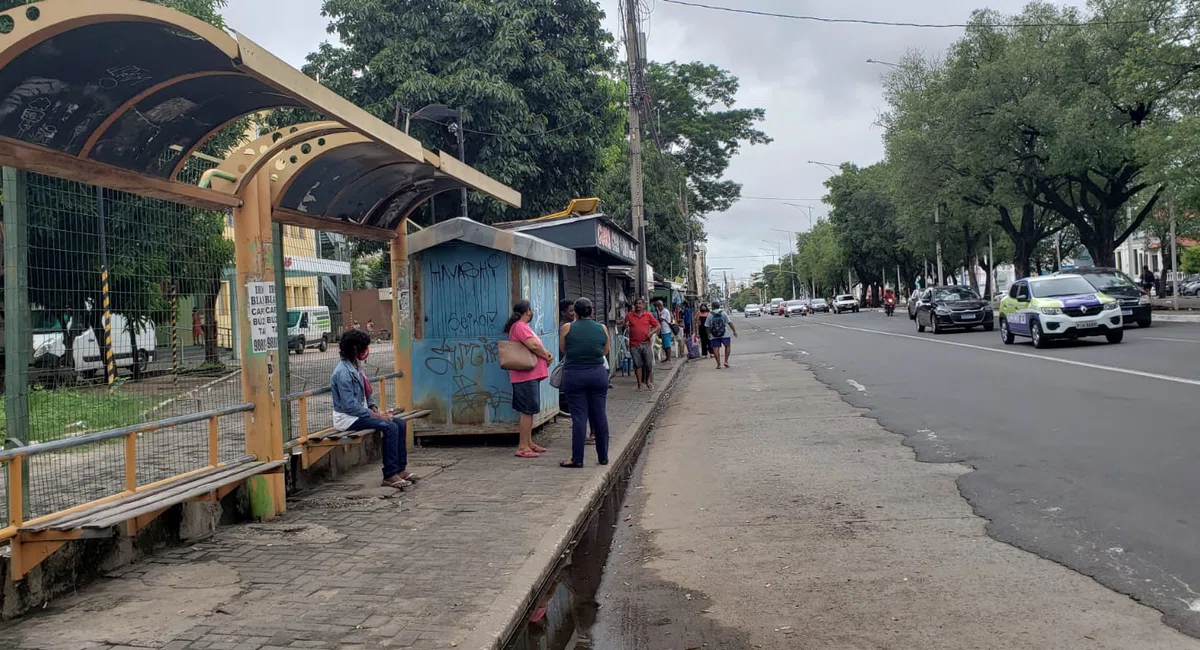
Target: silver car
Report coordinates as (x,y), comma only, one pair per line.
(845,302)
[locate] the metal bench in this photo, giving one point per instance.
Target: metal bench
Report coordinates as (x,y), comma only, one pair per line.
(129,511)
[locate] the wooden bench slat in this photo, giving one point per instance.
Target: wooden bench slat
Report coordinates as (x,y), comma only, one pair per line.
(195,489)
(161,496)
(82,514)
(334,434)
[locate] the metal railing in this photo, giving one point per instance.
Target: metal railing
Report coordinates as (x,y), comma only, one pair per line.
(15,459)
(301,399)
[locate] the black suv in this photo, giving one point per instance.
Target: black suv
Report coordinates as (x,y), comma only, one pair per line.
(1135,304)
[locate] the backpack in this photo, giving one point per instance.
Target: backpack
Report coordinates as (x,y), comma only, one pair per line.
(718,325)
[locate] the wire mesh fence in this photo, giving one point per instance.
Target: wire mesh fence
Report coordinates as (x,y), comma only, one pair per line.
(130,314)
(135,319)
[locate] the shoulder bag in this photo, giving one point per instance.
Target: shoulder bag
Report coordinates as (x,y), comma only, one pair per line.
(515,356)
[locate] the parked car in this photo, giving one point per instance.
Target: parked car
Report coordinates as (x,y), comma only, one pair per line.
(954,307)
(1059,306)
(794,308)
(845,302)
(753,310)
(818,305)
(133,346)
(914,300)
(1135,304)
(309,327)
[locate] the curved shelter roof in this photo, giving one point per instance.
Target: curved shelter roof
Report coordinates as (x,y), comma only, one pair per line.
(119,93)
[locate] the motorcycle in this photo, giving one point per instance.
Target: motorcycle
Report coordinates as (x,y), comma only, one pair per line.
(889,306)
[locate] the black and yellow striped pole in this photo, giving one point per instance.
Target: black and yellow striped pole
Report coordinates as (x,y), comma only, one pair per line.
(110,370)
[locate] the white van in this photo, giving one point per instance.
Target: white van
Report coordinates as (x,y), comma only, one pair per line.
(775,304)
(134,353)
(309,327)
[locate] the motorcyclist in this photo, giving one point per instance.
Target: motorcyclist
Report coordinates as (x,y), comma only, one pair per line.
(889,301)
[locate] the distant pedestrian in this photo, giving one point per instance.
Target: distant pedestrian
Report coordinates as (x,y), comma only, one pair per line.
(664,324)
(526,384)
(197,328)
(719,326)
(1148,279)
(640,326)
(355,409)
(370,328)
(705,340)
(585,381)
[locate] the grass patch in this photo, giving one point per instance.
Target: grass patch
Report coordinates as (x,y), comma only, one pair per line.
(55,414)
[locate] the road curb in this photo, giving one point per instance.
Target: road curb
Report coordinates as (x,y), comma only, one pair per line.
(507,613)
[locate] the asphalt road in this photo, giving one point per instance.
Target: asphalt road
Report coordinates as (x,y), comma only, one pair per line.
(1086,453)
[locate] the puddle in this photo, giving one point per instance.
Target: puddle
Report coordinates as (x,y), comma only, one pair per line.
(565,616)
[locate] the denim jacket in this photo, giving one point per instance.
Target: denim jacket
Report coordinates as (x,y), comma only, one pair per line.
(346,382)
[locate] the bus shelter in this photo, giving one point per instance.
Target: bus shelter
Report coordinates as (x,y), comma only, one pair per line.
(119,94)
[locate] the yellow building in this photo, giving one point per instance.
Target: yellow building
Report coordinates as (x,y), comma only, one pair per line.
(299,249)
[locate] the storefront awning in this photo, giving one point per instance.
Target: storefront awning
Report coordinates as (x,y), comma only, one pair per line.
(594,232)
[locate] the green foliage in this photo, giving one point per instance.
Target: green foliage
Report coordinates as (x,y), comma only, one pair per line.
(532,78)
(690,133)
(1189,261)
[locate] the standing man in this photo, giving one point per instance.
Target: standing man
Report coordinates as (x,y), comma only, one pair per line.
(664,323)
(1147,279)
(688,317)
(719,326)
(641,325)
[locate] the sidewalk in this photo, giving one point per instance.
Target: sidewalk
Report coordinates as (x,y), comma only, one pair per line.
(450,563)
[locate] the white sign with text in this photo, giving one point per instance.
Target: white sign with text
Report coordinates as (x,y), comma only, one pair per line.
(261,312)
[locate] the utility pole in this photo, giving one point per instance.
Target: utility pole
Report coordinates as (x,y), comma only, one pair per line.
(1174,261)
(1058,249)
(937,221)
(634,55)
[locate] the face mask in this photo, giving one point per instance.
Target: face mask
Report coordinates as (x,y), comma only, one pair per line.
(362,356)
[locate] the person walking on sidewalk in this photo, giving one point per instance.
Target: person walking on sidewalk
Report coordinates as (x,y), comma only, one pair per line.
(585,381)
(719,326)
(641,325)
(526,384)
(355,408)
(705,341)
(664,327)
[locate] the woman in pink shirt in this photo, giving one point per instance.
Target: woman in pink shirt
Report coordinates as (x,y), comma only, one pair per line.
(526,394)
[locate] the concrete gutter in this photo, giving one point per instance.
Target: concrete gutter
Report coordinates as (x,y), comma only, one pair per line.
(509,609)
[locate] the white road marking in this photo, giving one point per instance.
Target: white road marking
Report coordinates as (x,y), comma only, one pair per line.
(781,338)
(1069,362)
(790,343)
(857,386)
(1151,338)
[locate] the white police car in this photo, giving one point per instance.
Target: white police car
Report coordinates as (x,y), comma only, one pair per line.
(1058,307)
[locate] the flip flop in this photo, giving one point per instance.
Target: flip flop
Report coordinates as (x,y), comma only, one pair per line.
(398,483)
(411,478)
(570,464)
(529,453)
(539,449)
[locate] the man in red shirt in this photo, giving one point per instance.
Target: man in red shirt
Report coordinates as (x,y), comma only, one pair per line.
(641,326)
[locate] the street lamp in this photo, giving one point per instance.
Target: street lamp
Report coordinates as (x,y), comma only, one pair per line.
(795,238)
(836,169)
(804,207)
(436,113)
(888,64)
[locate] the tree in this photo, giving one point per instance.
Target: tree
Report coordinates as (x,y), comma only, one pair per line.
(532,79)
(690,132)
(1124,74)
(864,217)
(1190,260)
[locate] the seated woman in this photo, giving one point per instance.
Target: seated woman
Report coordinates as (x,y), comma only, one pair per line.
(355,408)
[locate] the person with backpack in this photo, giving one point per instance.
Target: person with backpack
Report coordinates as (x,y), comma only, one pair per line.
(719,326)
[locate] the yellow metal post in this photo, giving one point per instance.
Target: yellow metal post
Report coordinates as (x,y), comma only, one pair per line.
(257,341)
(402,325)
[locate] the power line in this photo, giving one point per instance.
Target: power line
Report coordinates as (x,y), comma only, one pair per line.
(775,198)
(886,23)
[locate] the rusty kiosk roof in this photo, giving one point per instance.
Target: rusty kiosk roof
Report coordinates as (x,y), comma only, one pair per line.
(119,93)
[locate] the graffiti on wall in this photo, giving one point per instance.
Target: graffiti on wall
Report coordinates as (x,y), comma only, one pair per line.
(467,292)
(466,362)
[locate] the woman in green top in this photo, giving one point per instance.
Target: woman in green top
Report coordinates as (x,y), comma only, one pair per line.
(584,343)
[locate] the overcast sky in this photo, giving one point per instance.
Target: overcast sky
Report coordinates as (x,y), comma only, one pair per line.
(821,96)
